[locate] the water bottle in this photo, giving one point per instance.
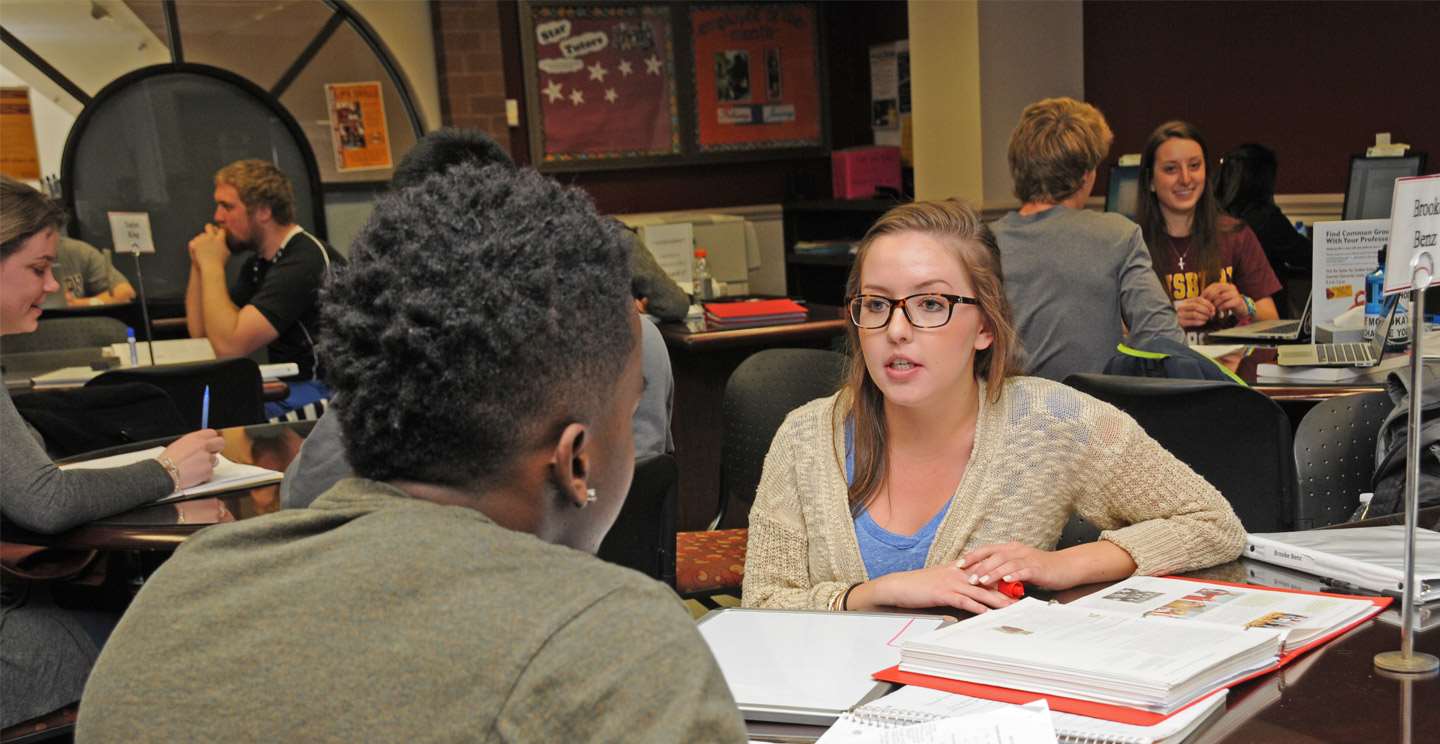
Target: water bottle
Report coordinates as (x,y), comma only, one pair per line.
(1374,296)
(704,286)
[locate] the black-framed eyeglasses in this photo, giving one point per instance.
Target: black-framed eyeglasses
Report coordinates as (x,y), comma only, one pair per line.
(925,310)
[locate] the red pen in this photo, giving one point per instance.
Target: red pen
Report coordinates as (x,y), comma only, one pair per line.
(1011,589)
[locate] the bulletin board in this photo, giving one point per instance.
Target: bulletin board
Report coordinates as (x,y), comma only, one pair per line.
(618,85)
(757,76)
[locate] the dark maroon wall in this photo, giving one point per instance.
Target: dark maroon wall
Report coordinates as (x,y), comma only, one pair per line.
(1314,80)
(850,29)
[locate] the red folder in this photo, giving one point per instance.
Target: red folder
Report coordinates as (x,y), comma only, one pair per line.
(1120,713)
(750,309)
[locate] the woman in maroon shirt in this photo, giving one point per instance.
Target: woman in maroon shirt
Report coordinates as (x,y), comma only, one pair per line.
(1210,264)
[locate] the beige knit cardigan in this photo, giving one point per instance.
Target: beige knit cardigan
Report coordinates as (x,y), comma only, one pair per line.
(1042,452)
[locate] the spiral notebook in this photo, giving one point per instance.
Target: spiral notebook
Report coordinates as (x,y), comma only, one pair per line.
(913,705)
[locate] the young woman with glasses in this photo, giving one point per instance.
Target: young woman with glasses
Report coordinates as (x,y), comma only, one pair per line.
(936,472)
(1210,264)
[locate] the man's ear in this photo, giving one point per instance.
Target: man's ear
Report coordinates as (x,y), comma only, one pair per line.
(570,464)
(261,214)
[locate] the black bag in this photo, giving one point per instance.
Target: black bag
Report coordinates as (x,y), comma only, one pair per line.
(93,418)
(1161,357)
(1388,482)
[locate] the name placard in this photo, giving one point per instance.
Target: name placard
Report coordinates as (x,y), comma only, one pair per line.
(1414,229)
(130,232)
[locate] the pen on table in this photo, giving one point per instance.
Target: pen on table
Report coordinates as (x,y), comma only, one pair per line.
(134,354)
(205,409)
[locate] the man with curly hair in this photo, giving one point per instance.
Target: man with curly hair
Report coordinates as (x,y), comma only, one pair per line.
(442,594)
(273,302)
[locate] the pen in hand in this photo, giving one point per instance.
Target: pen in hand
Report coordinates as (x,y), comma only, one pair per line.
(205,409)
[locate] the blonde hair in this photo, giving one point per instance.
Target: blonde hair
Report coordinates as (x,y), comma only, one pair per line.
(956,225)
(1057,141)
(24,212)
(261,184)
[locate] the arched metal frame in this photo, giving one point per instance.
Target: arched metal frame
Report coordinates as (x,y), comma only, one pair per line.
(341,13)
(122,83)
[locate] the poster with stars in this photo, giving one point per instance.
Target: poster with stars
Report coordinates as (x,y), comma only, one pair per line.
(606,82)
(757,81)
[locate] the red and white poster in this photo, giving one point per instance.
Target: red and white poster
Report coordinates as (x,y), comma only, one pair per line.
(606,82)
(756,76)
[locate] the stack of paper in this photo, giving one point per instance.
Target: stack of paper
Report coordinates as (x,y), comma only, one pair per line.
(752,313)
(793,666)
(1147,643)
(228,476)
(1370,558)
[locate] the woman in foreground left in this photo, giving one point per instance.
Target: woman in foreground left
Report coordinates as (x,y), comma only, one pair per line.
(46,651)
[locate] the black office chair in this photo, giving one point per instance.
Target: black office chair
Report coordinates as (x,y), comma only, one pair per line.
(54,334)
(1235,437)
(235,389)
(84,420)
(1335,456)
(765,388)
(643,537)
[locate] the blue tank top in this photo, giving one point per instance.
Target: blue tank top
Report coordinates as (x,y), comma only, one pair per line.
(883,551)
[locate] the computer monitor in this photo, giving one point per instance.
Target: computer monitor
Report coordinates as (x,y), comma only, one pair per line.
(1124,190)
(1372,184)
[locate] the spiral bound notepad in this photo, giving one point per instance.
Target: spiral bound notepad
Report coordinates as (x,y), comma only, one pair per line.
(912,705)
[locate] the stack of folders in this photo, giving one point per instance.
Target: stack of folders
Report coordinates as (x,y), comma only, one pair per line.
(753,313)
(1135,653)
(1368,558)
(913,705)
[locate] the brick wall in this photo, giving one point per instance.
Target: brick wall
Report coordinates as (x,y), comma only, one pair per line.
(470,65)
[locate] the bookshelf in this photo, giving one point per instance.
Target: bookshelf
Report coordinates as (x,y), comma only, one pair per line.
(820,277)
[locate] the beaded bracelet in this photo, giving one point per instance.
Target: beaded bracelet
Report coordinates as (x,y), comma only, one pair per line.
(1249,306)
(170,469)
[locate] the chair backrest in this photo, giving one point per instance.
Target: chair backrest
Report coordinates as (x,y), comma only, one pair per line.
(54,334)
(643,537)
(1236,438)
(760,393)
(1335,456)
(84,420)
(235,389)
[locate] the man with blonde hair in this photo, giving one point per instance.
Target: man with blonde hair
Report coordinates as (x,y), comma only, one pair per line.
(273,302)
(1076,279)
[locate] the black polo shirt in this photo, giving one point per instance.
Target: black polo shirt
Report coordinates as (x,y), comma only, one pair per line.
(286,290)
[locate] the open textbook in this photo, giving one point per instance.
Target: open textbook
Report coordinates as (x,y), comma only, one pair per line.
(1135,652)
(229,475)
(912,705)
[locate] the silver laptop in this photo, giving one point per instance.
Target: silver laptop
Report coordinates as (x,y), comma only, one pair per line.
(1269,330)
(1354,354)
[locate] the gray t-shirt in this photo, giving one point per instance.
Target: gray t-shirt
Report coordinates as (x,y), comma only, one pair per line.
(82,270)
(1076,279)
(372,616)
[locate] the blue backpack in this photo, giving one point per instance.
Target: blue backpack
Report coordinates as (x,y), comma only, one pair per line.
(1162,357)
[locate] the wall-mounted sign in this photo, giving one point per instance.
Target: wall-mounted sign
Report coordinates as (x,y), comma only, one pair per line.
(357,126)
(19,158)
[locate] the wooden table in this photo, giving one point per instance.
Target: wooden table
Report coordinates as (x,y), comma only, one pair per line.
(162,527)
(701,361)
(20,367)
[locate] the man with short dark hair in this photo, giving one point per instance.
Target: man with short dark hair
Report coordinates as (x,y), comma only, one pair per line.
(273,302)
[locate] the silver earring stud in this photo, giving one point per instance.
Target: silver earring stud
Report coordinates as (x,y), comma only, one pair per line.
(590,496)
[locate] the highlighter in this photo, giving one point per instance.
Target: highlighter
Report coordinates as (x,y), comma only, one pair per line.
(1011,589)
